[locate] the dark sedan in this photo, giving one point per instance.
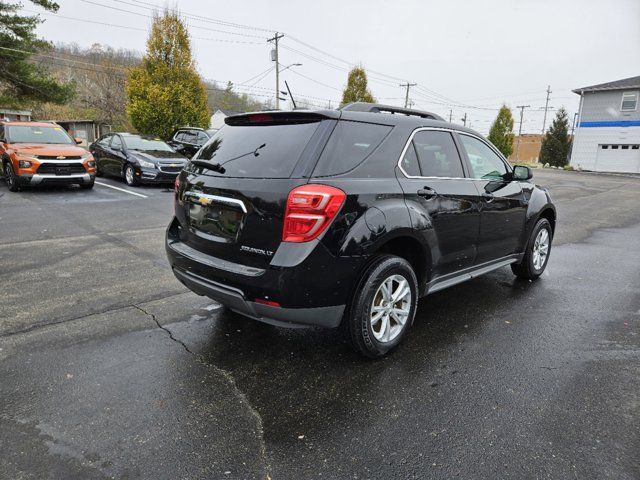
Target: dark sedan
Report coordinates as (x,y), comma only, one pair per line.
(136,158)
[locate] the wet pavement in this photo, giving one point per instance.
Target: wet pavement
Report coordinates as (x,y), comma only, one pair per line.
(110,369)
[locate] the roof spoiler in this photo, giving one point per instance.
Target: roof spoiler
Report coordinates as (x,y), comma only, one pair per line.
(379,108)
(280,117)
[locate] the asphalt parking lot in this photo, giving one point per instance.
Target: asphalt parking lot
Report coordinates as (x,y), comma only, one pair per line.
(109,368)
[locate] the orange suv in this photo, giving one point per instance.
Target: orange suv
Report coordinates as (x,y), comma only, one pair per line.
(41,153)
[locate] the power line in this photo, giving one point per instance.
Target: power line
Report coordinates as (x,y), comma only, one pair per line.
(151,16)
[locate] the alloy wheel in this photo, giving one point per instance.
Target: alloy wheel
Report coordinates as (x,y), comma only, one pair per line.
(390,308)
(8,174)
(129,175)
(541,248)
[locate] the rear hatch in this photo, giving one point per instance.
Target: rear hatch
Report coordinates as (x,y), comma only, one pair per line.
(232,194)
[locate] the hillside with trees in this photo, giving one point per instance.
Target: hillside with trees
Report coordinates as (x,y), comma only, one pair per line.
(98,75)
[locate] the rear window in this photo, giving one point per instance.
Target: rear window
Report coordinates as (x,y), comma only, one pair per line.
(349,145)
(257,151)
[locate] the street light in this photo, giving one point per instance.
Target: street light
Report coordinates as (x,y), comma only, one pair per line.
(289,66)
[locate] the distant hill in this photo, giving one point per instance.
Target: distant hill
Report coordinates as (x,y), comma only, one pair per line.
(99,74)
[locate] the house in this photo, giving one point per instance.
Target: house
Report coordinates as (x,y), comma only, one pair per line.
(217,119)
(529,149)
(13,115)
(87,130)
(607,137)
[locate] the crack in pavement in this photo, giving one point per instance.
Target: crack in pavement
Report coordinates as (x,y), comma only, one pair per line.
(109,309)
(227,376)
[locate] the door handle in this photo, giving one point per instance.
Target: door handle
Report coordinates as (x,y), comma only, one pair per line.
(427,192)
(488,197)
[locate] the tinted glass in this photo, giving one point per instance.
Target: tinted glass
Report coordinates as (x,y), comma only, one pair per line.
(2,132)
(260,151)
(134,142)
(104,141)
(437,154)
(33,134)
(202,138)
(349,145)
(485,163)
(179,137)
(116,142)
(189,137)
(410,162)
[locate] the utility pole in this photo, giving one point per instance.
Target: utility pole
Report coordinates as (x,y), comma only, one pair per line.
(521,107)
(546,107)
(406,98)
(464,119)
(274,58)
(450,115)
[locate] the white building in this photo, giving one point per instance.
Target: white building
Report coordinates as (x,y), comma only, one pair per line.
(217,119)
(607,137)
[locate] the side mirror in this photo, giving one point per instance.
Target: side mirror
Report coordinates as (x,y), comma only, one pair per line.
(78,140)
(522,173)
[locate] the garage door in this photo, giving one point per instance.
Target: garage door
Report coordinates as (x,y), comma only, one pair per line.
(618,158)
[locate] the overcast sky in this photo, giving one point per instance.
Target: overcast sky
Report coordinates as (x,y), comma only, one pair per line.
(466,56)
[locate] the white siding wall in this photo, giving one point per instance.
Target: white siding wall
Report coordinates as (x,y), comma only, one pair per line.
(604,107)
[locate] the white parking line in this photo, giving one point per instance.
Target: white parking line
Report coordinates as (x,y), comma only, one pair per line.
(122,190)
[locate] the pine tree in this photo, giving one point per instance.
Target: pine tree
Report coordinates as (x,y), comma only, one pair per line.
(555,145)
(501,133)
(165,91)
(23,82)
(356,89)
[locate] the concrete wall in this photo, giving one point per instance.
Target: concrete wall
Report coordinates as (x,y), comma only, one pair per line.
(603,123)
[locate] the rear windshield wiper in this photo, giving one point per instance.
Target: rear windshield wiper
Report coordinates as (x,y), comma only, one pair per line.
(211,166)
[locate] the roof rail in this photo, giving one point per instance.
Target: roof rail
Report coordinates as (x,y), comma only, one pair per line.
(378,108)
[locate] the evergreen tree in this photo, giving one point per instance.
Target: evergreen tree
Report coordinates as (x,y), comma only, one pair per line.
(555,145)
(501,133)
(356,89)
(23,82)
(165,91)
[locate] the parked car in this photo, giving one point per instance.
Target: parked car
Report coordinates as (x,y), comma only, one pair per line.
(136,158)
(188,140)
(42,153)
(329,217)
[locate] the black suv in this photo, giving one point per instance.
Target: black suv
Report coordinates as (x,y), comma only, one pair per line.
(188,140)
(349,216)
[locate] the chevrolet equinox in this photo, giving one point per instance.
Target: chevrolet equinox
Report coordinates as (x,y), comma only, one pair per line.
(347,217)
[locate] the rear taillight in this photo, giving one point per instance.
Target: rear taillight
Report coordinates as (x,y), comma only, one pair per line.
(310,210)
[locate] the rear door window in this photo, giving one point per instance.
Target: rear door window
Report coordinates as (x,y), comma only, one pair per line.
(437,154)
(349,145)
(257,151)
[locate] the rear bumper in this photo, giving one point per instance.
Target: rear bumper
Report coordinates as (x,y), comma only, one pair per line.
(51,179)
(235,300)
(313,290)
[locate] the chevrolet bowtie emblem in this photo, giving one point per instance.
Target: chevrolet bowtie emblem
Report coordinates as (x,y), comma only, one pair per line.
(204,201)
(61,157)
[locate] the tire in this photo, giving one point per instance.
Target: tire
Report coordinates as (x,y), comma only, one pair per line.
(87,186)
(536,256)
(375,338)
(11,178)
(129,174)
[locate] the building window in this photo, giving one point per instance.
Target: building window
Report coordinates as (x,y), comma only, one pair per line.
(635,147)
(604,147)
(629,101)
(615,147)
(625,147)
